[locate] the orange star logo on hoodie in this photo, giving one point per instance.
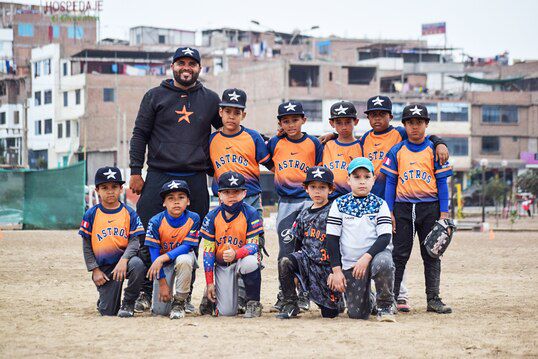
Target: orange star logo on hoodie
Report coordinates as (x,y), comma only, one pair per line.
(184,115)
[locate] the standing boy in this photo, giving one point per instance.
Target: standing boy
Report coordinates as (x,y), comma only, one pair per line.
(417,195)
(172,237)
(110,234)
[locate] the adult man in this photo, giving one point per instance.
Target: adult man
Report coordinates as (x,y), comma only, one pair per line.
(174,121)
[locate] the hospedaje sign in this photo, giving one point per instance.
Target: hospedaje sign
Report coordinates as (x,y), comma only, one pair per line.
(72,11)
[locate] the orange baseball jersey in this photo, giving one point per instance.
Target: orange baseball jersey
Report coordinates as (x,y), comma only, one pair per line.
(110,231)
(416,169)
(292,158)
(336,157)
(241,153)
(168,233)
(376,145)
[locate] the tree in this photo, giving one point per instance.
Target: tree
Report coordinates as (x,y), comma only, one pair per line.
(528,182)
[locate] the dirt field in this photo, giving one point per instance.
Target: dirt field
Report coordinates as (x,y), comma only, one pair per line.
(47,309)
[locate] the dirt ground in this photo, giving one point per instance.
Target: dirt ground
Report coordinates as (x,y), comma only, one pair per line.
(47,309)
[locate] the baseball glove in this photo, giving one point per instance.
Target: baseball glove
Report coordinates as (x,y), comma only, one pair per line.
(439,238)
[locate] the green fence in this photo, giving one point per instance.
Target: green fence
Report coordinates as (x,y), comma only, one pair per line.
(51,199)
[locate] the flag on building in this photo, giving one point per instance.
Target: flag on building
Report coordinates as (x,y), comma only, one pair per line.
(434,28)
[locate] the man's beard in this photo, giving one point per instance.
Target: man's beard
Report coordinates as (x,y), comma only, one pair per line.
(194,77)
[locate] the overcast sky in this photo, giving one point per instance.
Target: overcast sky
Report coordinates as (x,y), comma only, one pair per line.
(482,27)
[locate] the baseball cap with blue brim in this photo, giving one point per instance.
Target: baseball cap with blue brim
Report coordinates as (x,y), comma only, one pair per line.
(360,162)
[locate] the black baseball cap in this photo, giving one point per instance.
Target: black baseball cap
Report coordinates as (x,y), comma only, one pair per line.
(343,109)
(290,108)
(187,52)
(234,98)
(415,111)
(108,174)
(379,103)
(320,174)
(174,186)
(231,180)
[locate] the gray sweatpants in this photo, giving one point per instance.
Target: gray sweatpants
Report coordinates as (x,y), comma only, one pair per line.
(226,286)
(381,270)
(110,292)
(178,278)
(288,210)
(256,202)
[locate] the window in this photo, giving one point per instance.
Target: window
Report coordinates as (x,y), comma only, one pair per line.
(56,31)
(37,98)
(67,129)
(324,47)
(432,111)
(64,69)
(304,76)
(48,97)
(75,32)
(499,114)
(77,130)
(397,110)
(458,112)
(108,95)
(490,144)
(2,118)
(77,97)
(48,126)
(162,39)
(360,75)
(66,98)
(312,109)
(46,67)
(60,132)
(457,146)
(3,90)
(37,69)
(37,125)
(16,119)
(26,30)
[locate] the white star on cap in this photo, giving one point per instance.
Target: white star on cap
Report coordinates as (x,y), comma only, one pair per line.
(318,173)
(341,110)
(416,111)
(188,51)
(289,107)
(174,184)
(110,174)
(377,101)
(234,96)
(233,181)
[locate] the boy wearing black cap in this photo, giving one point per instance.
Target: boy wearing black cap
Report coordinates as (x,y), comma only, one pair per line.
(339,152)
(231,234)
(110,234)
(417,195)
(171,237)
(310,261)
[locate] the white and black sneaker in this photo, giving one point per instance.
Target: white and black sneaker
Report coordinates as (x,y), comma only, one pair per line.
(253,309)
(143,303)
(385,315)
(289,310)
(304,301)
(126,310)
(189,308)
(178,309)
(279,302)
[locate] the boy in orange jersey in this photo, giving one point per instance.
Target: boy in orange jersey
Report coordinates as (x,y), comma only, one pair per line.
(172,237)
(110,234)
(338,153)
(417,195)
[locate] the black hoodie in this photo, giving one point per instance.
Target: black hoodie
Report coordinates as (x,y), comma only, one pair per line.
(175,125)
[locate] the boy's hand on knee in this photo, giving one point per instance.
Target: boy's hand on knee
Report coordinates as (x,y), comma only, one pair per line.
(153,271)
(211,293)
(360,268)
(338,281)
(164,291)
(120,271)
(99,277)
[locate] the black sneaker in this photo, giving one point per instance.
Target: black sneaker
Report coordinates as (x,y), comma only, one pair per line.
(279,302)
(207,307)
(189,308)
(436,305)
(304,301)
(143,303)
(178,309)
(126,310)
(288,310)
(241,305)
(253,309)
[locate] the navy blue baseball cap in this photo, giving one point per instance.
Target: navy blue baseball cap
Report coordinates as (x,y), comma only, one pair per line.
(231,180)
(290,108)
(379,103)
(234,98)
(360,162)
(415,111)
(175,186)
(108,174)
(320,174)
(187,52)
(343,109)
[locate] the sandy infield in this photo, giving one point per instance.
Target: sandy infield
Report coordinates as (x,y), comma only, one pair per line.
(47,309)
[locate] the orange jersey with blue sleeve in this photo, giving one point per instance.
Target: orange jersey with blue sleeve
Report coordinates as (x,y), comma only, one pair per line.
(242,153)
(417,171)
(110,231)
(168,233)
(336,157)
(239,232)
(292,158)
(376,145)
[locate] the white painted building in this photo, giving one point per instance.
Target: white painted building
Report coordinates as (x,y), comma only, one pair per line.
(6,51)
